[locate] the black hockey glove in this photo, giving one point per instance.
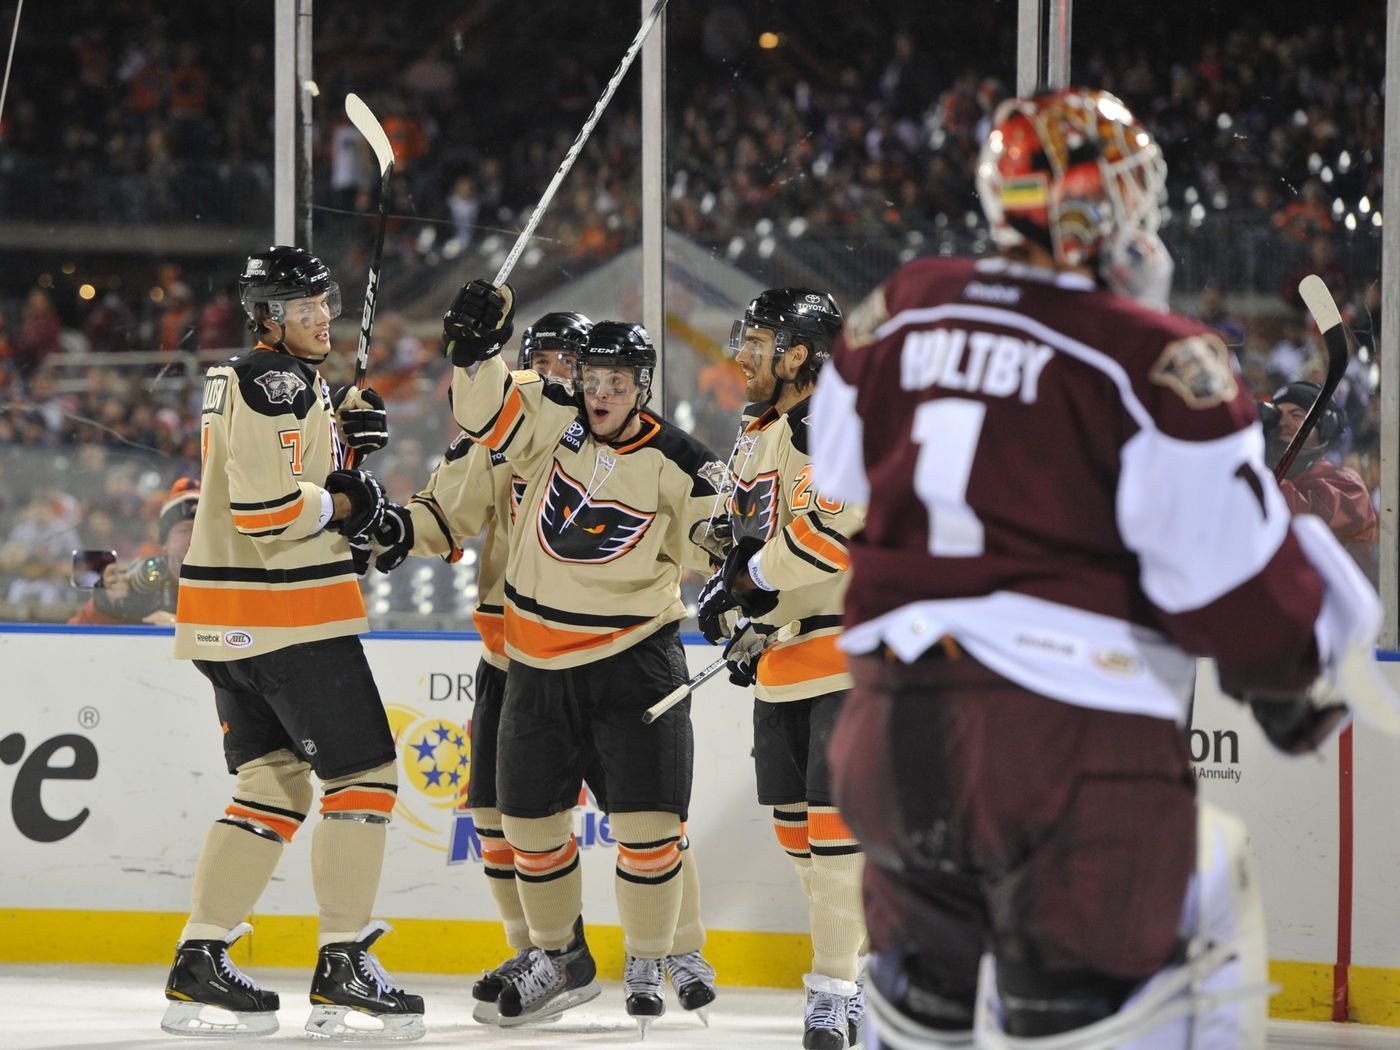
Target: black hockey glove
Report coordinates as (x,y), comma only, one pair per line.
(366,501)
(478,323)
(715,600)
(1298,723)
(741,656)
(395,534)
(753,599)
(360,551)
(715,536)
(363,419)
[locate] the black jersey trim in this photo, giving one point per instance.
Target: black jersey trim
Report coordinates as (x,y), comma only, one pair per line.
(268,504)
(232,574)
(529,605)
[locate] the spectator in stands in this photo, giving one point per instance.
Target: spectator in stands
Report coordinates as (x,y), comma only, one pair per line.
(111,326)
(1303,219)
(39,331)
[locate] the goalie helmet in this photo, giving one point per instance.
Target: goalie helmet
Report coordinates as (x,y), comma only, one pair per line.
(281,274)
(565,331)
(1073,171)
(619,344)
(793,315)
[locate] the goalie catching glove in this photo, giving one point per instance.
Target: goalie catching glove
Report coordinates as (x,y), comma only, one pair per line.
(363,419)
(395,535)
(478,323)
(366,498)
(733,587)
(1298,725)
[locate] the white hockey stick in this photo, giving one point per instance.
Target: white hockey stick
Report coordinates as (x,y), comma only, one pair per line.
(574,150)
(1328,319)
(10,61)
(676,695)
(373,132)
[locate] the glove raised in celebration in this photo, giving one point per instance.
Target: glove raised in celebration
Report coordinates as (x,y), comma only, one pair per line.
(363,419)
(395,535)
(366,498)
(478,323)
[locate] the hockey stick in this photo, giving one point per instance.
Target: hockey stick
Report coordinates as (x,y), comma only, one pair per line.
(577,147)
(1328,319)
(370,128)
(676,695)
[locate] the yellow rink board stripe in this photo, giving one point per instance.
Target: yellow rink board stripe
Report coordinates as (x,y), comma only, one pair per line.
(771,960)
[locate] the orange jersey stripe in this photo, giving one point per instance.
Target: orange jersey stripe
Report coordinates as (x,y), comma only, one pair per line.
(828,826)
(543,863)
(792,837)
(804,535)
(492,628)
(510,414)
(299,607)
(543,642)
(284,826)
(253,521)
(804,660)
(375,801)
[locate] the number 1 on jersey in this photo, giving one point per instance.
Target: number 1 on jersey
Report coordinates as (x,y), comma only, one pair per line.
(947,431)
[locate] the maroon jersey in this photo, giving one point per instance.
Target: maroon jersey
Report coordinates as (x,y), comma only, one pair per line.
(1068,483)
(1339,497)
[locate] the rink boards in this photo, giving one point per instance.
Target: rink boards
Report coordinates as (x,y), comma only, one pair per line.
(111,765)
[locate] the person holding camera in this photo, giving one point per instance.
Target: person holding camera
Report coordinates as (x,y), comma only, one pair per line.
(145,590)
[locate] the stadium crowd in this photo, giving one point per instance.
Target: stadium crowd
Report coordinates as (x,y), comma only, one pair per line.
(148,113)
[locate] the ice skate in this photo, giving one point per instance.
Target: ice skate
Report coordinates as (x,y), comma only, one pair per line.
(642,980)
(549,982)
(202,976)
(826,1018)
(693,980)
(487,990)
(350,980)
(855,1014)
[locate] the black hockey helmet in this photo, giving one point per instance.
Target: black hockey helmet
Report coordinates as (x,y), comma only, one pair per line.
(280,274)
(794,315)
(1303,392)
(564,331)
(619,344)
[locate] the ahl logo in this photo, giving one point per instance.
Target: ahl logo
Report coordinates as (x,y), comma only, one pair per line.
(238,639)
(281,387)
(309,746)
(716,475)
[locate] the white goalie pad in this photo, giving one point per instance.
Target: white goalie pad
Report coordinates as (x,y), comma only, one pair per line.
(1347,628)
(1216,1000)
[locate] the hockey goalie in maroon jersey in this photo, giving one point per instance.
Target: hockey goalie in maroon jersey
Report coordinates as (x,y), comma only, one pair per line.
(1067,503)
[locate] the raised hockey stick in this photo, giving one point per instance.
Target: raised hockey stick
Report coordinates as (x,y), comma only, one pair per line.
(1328,319)
(577,147)
(676,695)
(370,128)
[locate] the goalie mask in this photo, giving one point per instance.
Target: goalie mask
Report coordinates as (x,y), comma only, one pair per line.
(793,315)
(1074,172)
(278,277)
(562,336)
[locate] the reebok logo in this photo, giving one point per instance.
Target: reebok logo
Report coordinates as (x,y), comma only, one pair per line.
(208,637)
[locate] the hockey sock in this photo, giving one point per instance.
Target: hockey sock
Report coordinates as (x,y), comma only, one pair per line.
(498,860)
(347,850)
(233,870)
(837,913)
(547,875)
(790,826)
(690,928)
(648,889)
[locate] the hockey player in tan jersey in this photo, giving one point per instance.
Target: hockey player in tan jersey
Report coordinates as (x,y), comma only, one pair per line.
(472,489)
(269,610)
(788,565)
(592,606)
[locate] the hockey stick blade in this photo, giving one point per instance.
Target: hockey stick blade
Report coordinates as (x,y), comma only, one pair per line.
(676,695)
(1328,319)
(373,132)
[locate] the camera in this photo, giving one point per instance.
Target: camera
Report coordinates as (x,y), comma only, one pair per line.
(148,574)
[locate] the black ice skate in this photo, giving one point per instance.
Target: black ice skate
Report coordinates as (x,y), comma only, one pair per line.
(641,981)
(350,979)
(549,983)
(694,982)
(487,990)
(204,976)
(826,1018)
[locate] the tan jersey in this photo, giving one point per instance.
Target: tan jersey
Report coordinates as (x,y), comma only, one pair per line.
(804,553)
(262,573)
(471,489)
(603,530)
